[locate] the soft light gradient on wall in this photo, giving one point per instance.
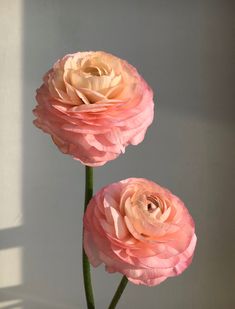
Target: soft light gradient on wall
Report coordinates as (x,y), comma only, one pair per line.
(11,152)
(185,50)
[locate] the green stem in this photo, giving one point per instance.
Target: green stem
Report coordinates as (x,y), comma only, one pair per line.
(118,293)
(85,261)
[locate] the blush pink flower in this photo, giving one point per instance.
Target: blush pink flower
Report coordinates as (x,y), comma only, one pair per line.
(93,105)
(139,229)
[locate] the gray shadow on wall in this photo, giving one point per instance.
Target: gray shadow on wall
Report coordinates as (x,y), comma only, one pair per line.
(53,186)
(189,147)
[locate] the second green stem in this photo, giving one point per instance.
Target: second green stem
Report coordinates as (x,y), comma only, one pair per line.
(86,265)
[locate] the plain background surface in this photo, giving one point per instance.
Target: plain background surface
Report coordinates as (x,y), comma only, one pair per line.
(185,50)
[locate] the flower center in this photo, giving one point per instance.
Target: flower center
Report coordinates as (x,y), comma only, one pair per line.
(95,68)
(153,203)
(95,71)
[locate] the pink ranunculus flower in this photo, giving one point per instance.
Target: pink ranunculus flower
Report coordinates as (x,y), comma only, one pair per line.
(139,229)
(93,105)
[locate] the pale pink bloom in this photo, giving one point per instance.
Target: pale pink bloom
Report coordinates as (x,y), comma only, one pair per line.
(139,229)
(94,104)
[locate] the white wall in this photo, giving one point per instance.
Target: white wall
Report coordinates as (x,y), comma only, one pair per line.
(184,49)
(11,150)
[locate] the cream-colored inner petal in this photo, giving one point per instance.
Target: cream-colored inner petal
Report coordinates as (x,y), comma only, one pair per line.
(88,79)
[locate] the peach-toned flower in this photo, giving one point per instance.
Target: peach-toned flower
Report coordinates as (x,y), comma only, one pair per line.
(139,229)
(94,104)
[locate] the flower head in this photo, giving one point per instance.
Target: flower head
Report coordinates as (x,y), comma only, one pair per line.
(139,229)
(93,105)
